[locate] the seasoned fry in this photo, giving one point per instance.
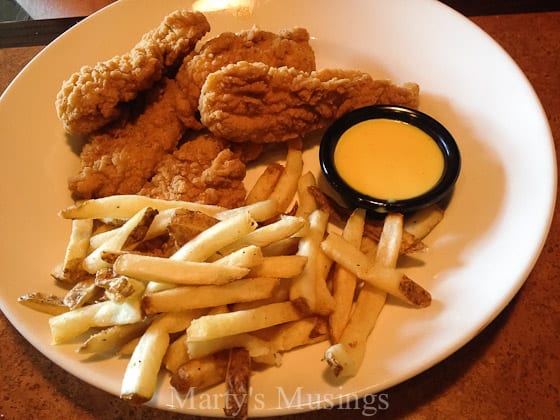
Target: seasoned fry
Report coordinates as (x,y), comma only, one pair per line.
(306,201)
(390,280)
(140,378)
(372,228)
(287,246)
(304,290)
(133,230)
(220,325)
(343,281)
(158,269)
(286,187)
(201,373)
(113,338)
(237,383)
(346,356)
(70,324)
(76,250)
(176,354)
(49,304)
(259,211)
(190,297)
(81,293)
(282,266)
(422,222)
(265,183)
(268,234)
(288,336)
(254,345)
(249,256)
(215,238)
(126,206)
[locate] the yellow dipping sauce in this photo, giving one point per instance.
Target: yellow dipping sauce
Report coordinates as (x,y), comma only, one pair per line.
(388,159)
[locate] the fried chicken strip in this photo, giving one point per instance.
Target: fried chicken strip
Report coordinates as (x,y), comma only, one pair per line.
(204,170)
(260,103)
(93,96)
(121,159)
(287,48)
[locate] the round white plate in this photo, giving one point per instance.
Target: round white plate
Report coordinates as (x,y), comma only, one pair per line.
(479,256)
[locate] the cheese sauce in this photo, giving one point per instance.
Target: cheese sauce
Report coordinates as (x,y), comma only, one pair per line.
(388,159)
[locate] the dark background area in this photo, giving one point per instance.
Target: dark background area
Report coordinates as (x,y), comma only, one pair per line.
(11,11)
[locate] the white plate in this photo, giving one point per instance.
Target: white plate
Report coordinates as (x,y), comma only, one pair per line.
(479,256)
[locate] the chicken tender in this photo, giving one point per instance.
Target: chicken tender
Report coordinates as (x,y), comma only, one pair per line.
(94,96)
(287,48)
(121,159)
(203,170)
(260,103)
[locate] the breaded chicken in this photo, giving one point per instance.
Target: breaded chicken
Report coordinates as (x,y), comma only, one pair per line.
(122,158)
(287,48)
(260,103)
(203,170)
(94,96)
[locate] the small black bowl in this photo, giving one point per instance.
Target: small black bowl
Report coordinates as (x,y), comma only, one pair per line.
(445,141)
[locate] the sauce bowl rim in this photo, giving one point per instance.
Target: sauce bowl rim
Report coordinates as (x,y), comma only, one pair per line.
(441,136)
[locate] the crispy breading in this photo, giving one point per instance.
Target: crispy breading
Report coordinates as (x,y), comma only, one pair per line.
(261,103)
(287,48)
(121,159)
(204,170)
(94,96)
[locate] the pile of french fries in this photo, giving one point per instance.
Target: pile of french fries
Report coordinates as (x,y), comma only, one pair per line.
(203,292)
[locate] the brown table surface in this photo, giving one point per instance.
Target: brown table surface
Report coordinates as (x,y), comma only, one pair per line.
(510,370)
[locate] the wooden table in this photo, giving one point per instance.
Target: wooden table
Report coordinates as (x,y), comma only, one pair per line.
(511,370)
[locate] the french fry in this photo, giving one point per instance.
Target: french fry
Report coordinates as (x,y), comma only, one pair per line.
(71,324)
(268,234)
(158,269)
(324,300)
(249,256)
(346,357)
(208,242)
(423,221)
(237,383)
(306,201)
(265,183)
(287,246)
(130,232)
(286,187)
(201,373)
(126,206)
(140,377)
(81,293)
(372,228)
(176,354)
(259,211)
(215,238)
(71,270)
(158,227)
(343,281)
(281,266)
(190,297)
(288,336)
(47,303)
(281,293)
(127,349)
(254,345)
(390,280)
(304,287)
(220,325)
(113,338)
